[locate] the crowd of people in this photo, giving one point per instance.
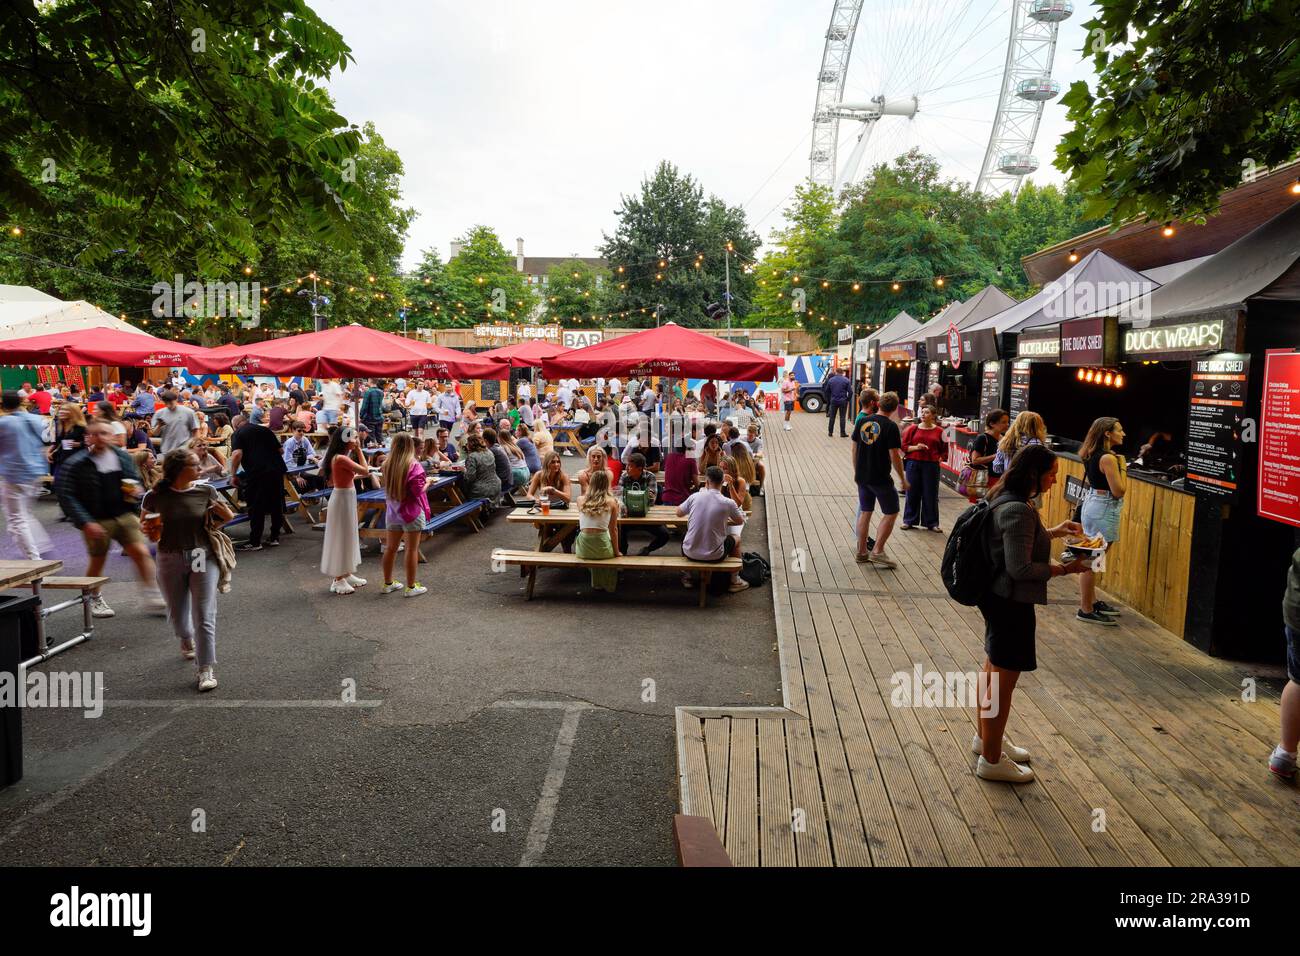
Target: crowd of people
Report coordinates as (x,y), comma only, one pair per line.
(140,465)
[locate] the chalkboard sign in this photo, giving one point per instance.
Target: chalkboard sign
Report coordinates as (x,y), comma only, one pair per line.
(1019,388)
(1214,421)
(990,388)
(489,390)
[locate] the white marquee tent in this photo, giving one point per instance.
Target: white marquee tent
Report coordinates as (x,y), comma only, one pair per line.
(25,312)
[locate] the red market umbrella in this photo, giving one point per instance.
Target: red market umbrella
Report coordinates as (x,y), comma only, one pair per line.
(99,347)
(527,354)
(348,351)
(669,350)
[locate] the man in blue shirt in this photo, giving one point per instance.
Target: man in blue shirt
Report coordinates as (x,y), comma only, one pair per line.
(22,465)
(142,402)
(838,391)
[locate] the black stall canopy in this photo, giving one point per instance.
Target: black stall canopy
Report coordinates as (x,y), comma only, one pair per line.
(1093,284)
(975,345)
(1263,265)
(898,339)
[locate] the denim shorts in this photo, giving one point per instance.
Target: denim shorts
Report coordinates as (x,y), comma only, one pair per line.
(1100,515)
(1293,655)
(886,494)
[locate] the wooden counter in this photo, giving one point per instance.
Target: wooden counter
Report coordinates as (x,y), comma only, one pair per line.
(1148,567)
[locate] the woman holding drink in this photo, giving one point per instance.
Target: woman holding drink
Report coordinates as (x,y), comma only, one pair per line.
(175,517)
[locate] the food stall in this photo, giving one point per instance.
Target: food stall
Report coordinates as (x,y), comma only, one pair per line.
(964,362)
(1190,364)
(895,349)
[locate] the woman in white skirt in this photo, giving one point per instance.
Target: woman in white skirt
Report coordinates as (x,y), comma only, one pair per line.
(341,554)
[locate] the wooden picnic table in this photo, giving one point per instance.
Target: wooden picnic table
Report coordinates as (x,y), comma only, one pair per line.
(565,435)
(19,573)
(443,494)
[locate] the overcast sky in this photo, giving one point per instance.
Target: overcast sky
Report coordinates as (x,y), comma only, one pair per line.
(534,117)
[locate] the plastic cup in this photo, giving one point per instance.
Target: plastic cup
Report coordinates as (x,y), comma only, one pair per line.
(152,525)
(545,504)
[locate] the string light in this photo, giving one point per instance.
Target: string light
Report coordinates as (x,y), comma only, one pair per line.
(1167,231)
(1074,256)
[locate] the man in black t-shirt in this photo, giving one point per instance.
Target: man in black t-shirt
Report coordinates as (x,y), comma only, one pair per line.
(256,449)
(877,448)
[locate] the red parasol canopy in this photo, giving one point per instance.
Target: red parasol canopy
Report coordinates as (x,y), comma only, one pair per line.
(669,350)
(98,347)
(351,350)
(527,353)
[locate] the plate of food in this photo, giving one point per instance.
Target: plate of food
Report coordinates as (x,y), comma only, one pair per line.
(1084,548)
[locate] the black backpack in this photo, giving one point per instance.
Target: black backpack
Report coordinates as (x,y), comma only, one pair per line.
(754,568)
(967,569)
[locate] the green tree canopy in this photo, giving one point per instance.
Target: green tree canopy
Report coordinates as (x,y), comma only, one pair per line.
(575,292)
(1188,97)
(194,125)
(671,248)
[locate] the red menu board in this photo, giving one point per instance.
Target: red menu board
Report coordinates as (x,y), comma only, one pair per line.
(1279,438)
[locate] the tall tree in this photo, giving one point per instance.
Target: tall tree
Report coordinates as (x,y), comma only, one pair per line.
(198,125)
(1189,96)
(672,247)
(575,293)
(483,284)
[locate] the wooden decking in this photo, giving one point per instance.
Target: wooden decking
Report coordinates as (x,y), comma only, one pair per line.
(1146,753)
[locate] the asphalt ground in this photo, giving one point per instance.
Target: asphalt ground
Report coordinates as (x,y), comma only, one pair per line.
(479,729)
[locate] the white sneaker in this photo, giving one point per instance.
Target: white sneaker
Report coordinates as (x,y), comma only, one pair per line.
(99,608)
(391,586)
(207,679)
(187,650)
(1018,754)
(1005,770)
(416,590)
(787,426)
(356,582)
(153,600)
(341,587)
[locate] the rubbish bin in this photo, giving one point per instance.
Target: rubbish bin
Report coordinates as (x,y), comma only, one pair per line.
(17,616)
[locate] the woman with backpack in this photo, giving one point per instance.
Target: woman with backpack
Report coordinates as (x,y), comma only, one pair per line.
(1021,551)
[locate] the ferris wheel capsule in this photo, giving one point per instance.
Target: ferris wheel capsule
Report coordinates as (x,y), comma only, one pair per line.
(1051,11)
(1038,88)
(1017,164)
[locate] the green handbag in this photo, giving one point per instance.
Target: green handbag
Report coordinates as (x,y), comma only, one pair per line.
(635,501)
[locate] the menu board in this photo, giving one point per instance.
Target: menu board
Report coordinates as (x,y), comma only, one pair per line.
(912,398)
(1279,438)
(990,388)
(933,378)
(1218,402)
(1019,388)
(489,390)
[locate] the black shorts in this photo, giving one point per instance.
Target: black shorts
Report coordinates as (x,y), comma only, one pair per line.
(417,421)
(728,549)
(1009,633)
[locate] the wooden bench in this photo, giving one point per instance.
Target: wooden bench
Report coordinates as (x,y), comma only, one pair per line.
(468,512)
(242,517)
(532,560)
